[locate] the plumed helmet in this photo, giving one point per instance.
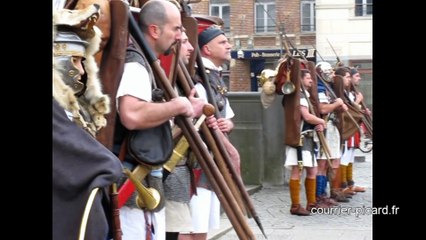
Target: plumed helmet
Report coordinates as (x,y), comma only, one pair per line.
(66,45)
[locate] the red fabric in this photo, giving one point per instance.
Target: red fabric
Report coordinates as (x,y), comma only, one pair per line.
(203,24)
(125,192)
(353,142)
(197,174)
(166,62)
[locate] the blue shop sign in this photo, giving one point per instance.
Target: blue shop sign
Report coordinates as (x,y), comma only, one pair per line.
(272,53)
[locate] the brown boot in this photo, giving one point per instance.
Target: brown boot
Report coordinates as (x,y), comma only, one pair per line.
(348,192)
(327,201)
(357,188)
(297,209)
(317,205)
(339,196)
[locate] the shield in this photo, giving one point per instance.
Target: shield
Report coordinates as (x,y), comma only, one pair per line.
(291,104)
(313,91)
(345,124)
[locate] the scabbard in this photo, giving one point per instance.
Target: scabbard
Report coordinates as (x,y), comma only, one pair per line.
(115,213)
(299,156)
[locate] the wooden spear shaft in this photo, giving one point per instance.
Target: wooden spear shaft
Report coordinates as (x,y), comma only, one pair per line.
(213,144)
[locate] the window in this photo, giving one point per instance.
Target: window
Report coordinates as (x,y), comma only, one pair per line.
(221,8)
(363,7)
(265,16)
(307,16)
(226,73)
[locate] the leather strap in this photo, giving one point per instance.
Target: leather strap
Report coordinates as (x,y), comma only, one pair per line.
(148,231)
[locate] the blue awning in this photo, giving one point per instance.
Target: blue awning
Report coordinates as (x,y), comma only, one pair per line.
(272,53)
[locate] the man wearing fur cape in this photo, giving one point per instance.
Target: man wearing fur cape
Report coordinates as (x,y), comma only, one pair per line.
(83,168)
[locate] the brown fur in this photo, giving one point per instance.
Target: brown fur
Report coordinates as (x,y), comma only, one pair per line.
(93,100)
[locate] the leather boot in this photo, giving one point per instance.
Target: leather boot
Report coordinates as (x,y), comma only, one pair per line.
(347,191)
(357,188)
(338,195)
(351,183)
(335,191)
(297,209)
(323,199)
(318,204)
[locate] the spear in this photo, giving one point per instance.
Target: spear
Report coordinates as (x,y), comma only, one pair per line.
(322,59)
(333,95)
(337,57)
(321,136)
(187,84)
(366,119)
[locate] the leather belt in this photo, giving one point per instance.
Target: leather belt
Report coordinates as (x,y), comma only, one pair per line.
(309,134)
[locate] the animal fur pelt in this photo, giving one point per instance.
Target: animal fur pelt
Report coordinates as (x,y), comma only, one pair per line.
(88,109)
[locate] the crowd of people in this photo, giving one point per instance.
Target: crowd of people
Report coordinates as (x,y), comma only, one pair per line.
(328,134)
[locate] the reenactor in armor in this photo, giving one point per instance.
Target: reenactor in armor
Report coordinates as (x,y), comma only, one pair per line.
(83,168)
(179,183)
(329,108)
(304,156)
(354,98)
(215,51)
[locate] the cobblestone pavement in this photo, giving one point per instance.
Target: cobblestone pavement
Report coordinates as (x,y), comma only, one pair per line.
(349,221)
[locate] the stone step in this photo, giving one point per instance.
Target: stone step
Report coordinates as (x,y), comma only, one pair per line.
(225,224)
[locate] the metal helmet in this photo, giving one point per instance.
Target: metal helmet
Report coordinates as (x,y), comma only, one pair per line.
(67,45)
(325,69)
(267,75)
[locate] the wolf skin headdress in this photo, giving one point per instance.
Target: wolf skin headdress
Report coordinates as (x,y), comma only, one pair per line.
(89,106)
